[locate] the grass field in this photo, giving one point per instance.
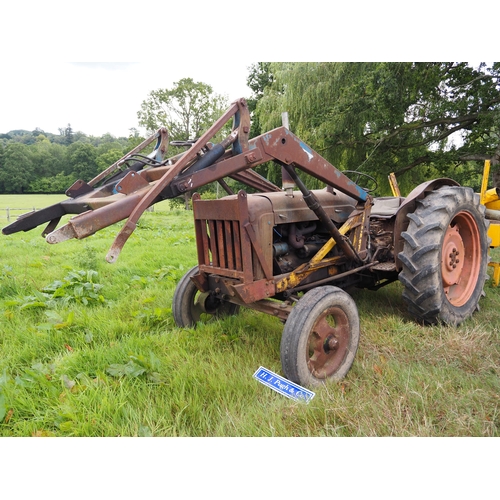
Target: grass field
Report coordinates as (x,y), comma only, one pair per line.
(17,204)
(115,364)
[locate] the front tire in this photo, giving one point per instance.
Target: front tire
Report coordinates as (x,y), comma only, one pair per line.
(445,256)
(190,306)
(321,337)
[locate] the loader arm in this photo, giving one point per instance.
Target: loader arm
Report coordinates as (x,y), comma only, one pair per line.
(116,194)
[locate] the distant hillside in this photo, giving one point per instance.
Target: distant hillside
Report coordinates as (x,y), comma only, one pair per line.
(67,137)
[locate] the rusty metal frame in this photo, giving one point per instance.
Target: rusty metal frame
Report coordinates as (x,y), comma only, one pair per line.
(232,261)
(136,191)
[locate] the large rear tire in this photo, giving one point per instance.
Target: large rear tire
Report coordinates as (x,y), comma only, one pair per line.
(445,256)
(321,337)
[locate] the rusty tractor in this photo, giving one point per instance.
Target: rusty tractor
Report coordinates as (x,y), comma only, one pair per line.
(289,251)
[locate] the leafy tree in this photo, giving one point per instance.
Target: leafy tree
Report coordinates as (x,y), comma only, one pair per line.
(107,139)
(259,79)
(107,146)
(80,137)
(82,161)
(52,185)
(134,139)
(67,134)
(48,159)
(186,110)
(106,159)
(16,170)
(53,165)
(426,119)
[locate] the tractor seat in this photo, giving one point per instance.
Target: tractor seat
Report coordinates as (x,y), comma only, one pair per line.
(386,207)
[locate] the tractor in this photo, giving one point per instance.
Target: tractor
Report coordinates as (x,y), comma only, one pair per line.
(289,251)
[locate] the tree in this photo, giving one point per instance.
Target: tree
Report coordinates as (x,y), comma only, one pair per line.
(186,110)
(48,159)
(59,183)
(107,158)
(134,139)
(422,119)
(82,161)
(259,79)
(67,134)
(1,156)
(16,169)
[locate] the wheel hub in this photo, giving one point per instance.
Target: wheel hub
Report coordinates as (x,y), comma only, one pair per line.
(452,262)
(461,258)
(207,302)
(328,343)
(331,344)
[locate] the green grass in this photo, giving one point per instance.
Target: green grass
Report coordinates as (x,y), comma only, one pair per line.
(20,203)
(120,367)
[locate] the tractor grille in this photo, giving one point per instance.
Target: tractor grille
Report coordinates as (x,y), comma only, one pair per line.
(223,244)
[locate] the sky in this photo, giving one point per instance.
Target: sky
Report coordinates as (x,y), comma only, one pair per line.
(103,97)
(38,88)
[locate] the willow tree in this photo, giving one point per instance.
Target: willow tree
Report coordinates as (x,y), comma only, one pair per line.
(419,120)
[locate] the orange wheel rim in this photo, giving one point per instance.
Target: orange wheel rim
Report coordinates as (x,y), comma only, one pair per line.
(461,258)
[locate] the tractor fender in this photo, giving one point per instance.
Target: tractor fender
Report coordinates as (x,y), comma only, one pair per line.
(408,206)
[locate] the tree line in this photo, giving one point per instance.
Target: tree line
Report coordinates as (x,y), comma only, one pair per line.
(37,162)
(40,162)
(420,120)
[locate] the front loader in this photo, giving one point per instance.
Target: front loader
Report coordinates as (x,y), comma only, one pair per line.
(290,252)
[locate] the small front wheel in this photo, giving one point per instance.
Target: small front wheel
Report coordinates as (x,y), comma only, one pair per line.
(321,337)
(190,306)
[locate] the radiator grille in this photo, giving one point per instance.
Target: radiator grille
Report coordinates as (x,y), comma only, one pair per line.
(224,244)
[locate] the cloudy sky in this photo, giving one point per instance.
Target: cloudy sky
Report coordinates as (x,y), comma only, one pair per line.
(214,45)
(99,98)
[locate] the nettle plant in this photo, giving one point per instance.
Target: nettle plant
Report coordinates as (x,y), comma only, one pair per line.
(78,287)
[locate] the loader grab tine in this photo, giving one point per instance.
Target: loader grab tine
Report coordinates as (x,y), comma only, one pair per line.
(64,233)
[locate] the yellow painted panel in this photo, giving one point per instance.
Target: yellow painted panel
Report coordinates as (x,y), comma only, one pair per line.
(493,205)
(494,233)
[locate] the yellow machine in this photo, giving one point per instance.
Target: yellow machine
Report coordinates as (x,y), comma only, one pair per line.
(491,200)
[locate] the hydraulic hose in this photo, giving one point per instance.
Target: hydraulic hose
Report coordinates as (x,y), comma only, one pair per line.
(313,203)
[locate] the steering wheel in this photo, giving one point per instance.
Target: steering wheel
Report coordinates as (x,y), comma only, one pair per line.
(357,175)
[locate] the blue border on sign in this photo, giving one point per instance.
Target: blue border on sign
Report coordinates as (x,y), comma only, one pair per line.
(282,385)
